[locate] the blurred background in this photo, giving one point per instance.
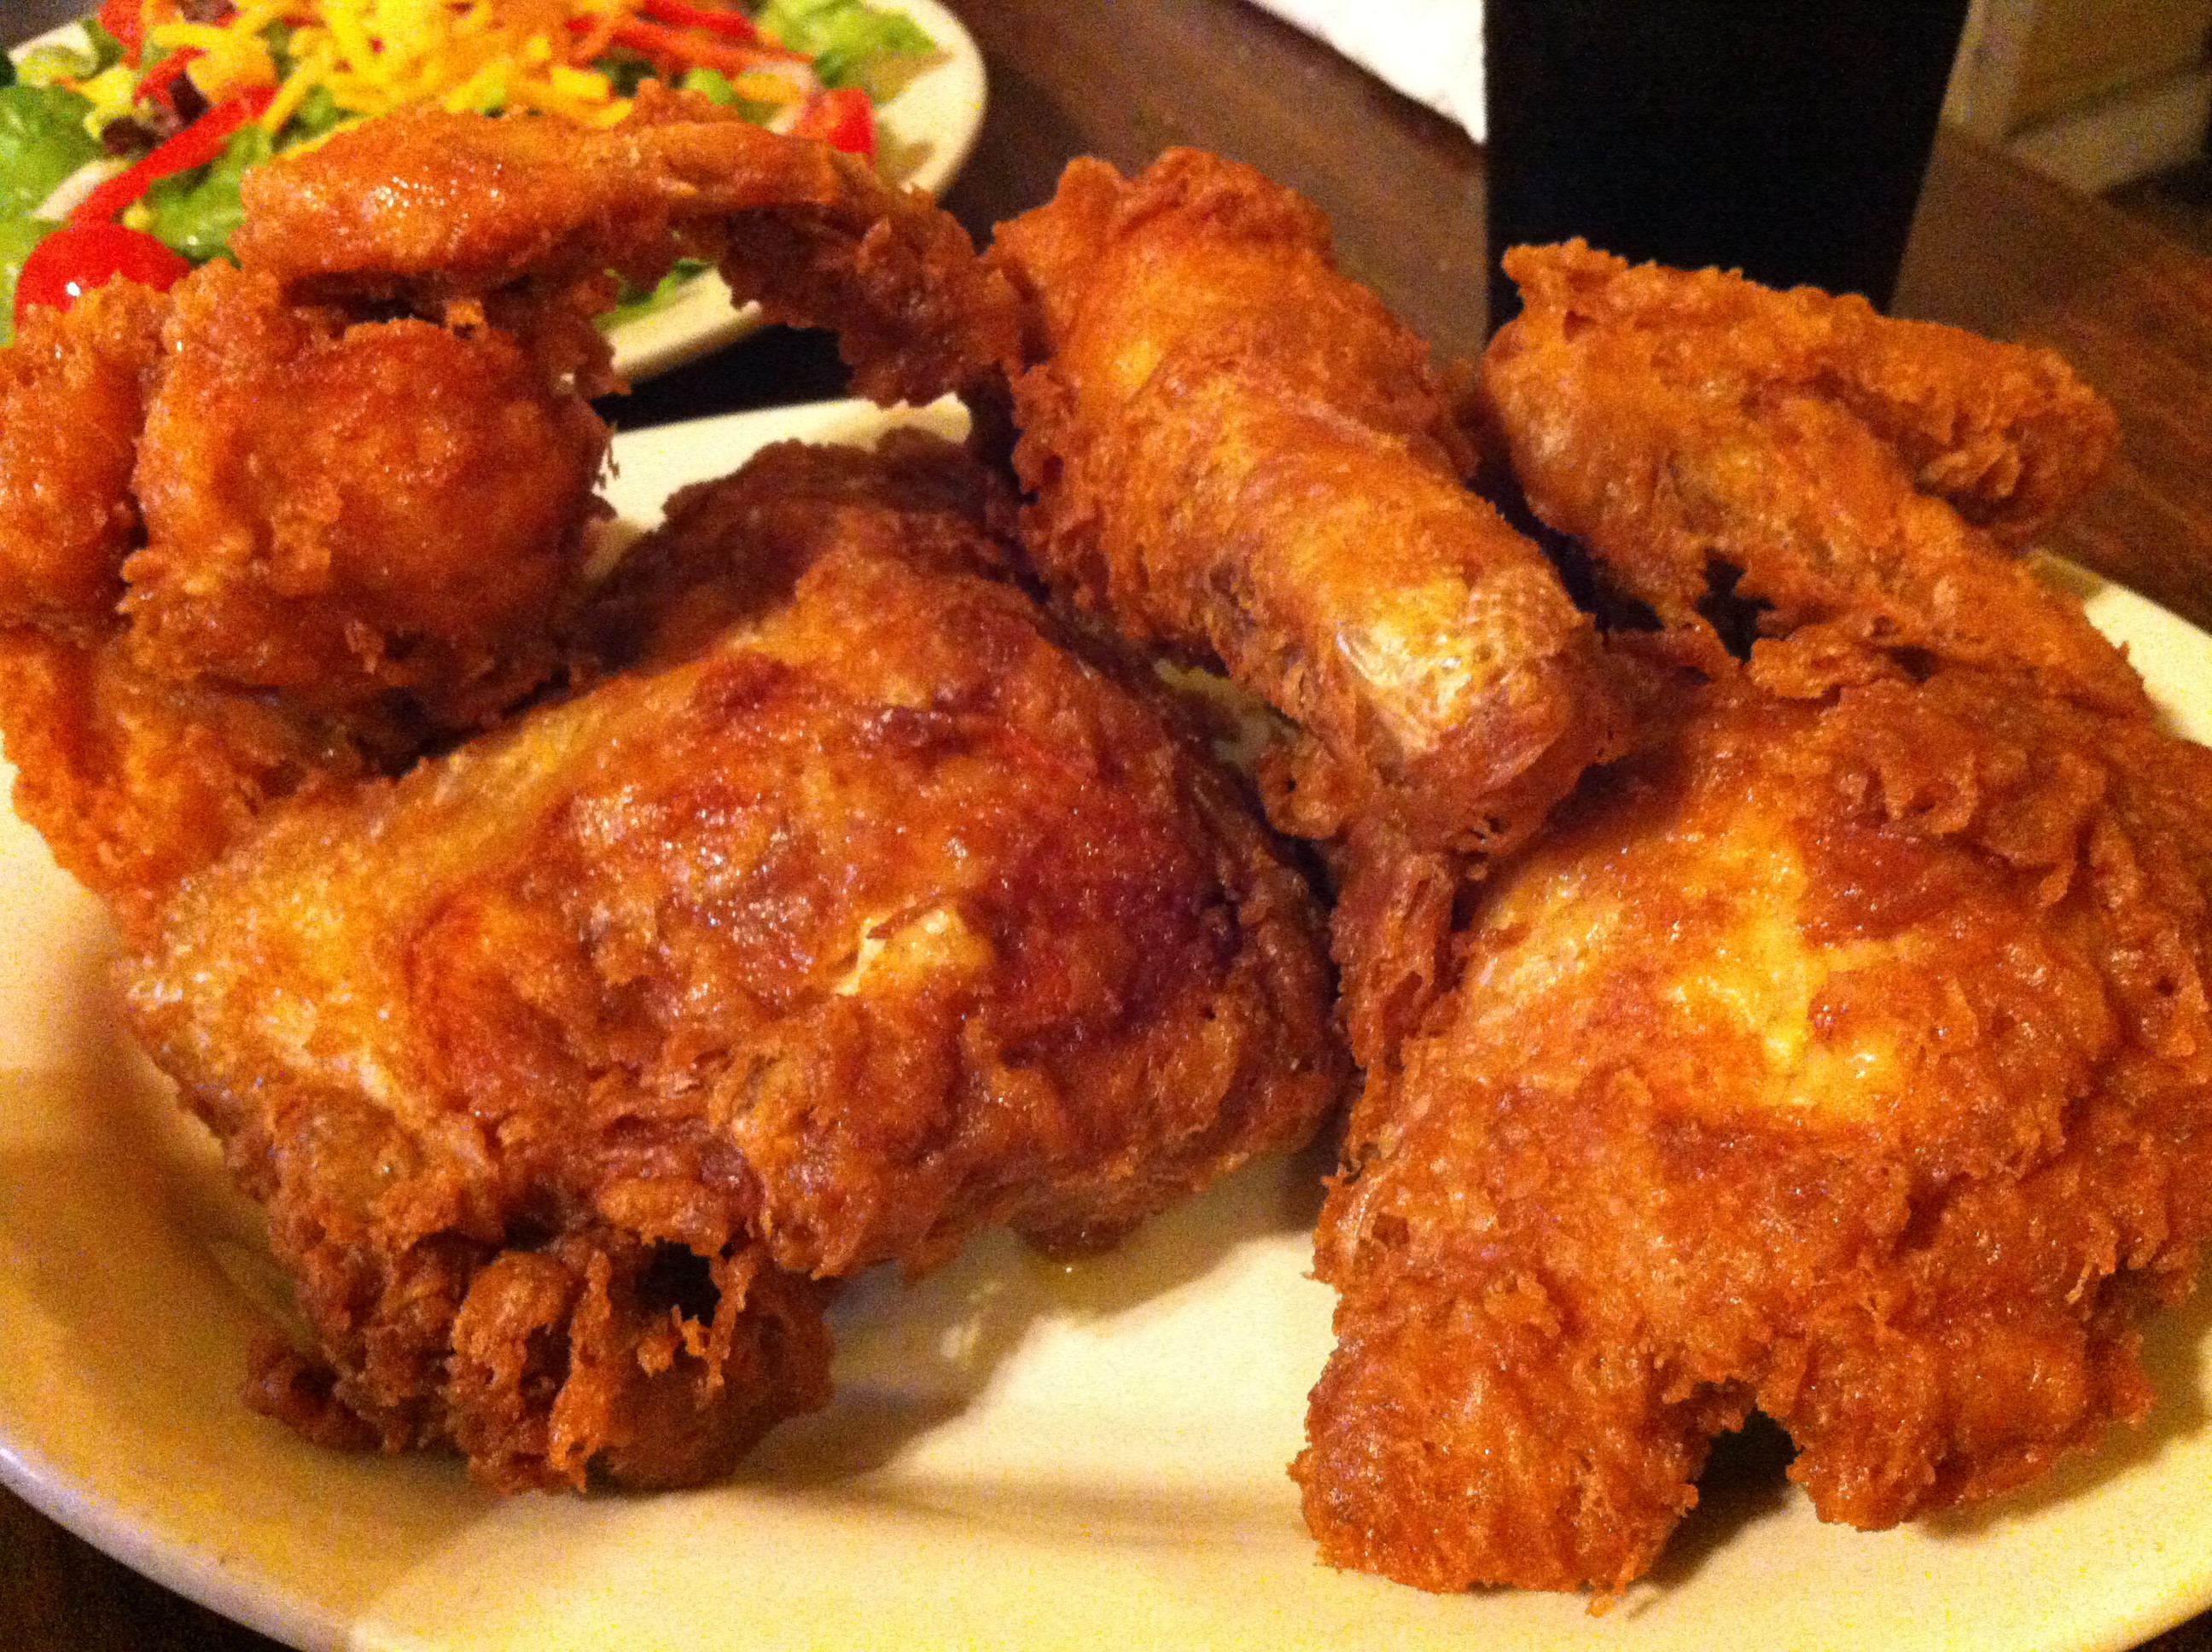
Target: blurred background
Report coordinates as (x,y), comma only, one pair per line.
(2108,97)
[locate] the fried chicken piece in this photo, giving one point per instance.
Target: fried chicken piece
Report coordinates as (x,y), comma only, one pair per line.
(245,546)
(1843,1051)
(1849,1060)
(72,397)
(135,781)
(369,527)
(347,512)
(433,208)
(888,914)
(1235,451)
(1850,476)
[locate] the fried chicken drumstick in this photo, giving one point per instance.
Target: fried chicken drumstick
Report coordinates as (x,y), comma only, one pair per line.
(864,915)
(1843,1050)
(1236,451)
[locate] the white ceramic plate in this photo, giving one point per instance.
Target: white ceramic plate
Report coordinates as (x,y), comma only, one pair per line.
(1020,1455)
(926,130)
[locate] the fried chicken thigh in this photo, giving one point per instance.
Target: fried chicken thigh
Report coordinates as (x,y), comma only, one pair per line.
(1852,1062)
(865,910)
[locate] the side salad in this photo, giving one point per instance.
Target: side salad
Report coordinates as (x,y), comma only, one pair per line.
(120,153)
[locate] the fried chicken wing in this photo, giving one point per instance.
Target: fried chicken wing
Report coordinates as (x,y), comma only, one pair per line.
(1235,451)
(372,527)
(867,909)
(433,208)
(258,544)
(1852,1062)
(1851,476)
(353,511)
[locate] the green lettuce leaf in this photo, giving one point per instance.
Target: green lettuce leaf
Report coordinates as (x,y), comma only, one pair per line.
(42,141)
(851,43)
(715,85)
(195,211)
(17,237)
(319,112)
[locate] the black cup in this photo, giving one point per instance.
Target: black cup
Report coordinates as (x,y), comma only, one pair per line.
(1787,141)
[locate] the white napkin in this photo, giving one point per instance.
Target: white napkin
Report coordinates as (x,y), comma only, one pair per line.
(1429,50)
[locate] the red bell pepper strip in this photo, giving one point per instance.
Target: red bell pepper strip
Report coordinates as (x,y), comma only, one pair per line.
(666,45)
(158,83)
(194,146)
(126,20)
(77,257)
(842,118)
(716,19)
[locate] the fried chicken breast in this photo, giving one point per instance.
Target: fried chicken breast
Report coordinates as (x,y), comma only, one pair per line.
(884,913)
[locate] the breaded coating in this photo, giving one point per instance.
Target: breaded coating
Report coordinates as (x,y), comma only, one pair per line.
(729,551)
(431,208)
(1851,475)
(72,397)
(1850,1061)
(888,916)
(135,781)
(345,512)
(266,547)
(1844,1050)
(370,528)
(1236,452)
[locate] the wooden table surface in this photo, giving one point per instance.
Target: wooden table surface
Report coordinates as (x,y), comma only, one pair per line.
(1994,249)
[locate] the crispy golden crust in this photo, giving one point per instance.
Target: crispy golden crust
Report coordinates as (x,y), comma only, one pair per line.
(729,551)
(351,512)
(433,208)
(72,395)
(135,781)
(1235,451)
(245,546)
(1850,1061)
(1857,473)
(370,529)
(886,918)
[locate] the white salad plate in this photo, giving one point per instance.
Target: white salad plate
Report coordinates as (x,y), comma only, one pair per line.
(1019,1455)
(925,133)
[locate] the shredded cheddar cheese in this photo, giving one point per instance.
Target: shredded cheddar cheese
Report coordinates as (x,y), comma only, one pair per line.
(372,56)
